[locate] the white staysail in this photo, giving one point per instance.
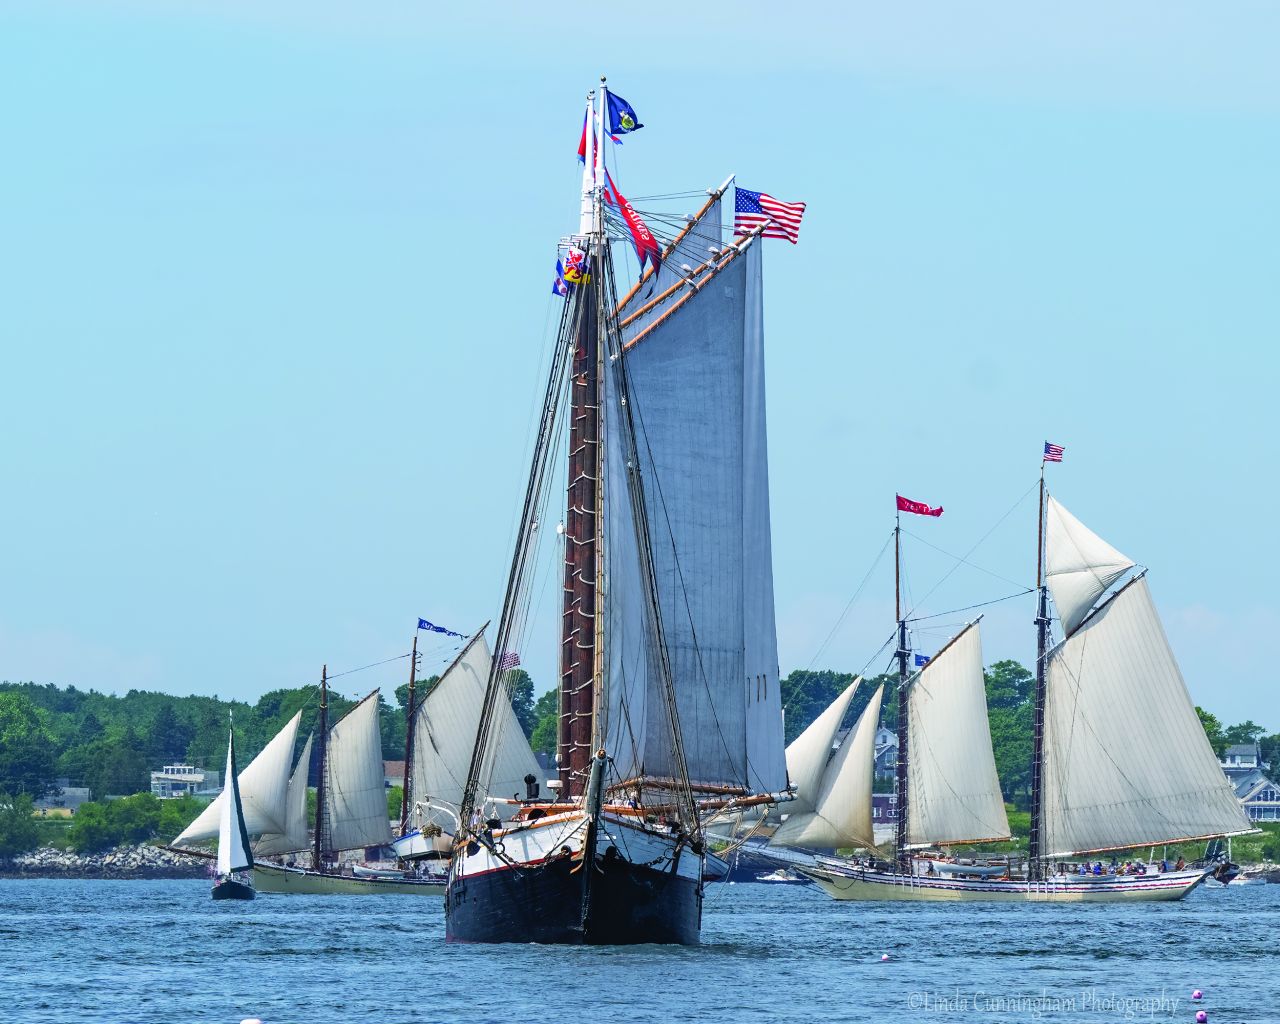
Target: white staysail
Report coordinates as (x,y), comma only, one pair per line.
(264,791)
(1126,760)
(233,842)
(295,837)
(809,753)
(953,789)
(445,727)
(1079,565)
(355,793)
(843,813)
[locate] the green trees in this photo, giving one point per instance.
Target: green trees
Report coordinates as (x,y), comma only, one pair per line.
(520,687)
(17,827)
(1010,715)
(546,717)
(26,746)
(1213,731)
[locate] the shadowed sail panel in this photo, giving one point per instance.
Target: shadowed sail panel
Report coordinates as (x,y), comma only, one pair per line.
(295,838)
(1126,760)
(1079,565)
(954,791)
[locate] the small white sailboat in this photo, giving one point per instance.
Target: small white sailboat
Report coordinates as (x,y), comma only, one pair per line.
(235,858)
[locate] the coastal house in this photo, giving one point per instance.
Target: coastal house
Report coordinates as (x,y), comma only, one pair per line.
(1258,795)
(886,757)
(178,780)
(63,801)
(392,773)
(1240,759)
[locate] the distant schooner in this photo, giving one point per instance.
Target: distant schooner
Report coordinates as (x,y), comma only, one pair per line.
(669,698)
(1120,759)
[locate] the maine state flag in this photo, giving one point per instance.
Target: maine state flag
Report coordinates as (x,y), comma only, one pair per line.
(622,116)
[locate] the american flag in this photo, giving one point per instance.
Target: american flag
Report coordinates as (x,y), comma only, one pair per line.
(751,209)
(1052,452)
(509,660)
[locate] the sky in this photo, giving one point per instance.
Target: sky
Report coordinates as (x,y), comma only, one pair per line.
(276,310)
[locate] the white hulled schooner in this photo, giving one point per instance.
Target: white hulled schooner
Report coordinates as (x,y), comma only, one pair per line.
(1120,759)
(669,700)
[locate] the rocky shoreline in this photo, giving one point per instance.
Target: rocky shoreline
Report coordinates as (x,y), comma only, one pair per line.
(140,861)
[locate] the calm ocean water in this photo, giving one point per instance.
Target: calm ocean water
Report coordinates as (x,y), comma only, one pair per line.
(164,952)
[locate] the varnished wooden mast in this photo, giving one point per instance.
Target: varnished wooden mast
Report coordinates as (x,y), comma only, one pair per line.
(408,738)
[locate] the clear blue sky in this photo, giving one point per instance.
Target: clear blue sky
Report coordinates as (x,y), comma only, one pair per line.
(276,300)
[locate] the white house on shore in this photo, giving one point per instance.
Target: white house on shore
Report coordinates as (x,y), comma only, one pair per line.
(177,780)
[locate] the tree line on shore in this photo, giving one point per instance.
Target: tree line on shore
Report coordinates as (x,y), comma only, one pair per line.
(110,743)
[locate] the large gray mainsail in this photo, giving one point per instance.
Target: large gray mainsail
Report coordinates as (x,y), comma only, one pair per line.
(695,377)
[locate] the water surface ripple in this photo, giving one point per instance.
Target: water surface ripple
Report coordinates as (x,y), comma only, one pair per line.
(75,952)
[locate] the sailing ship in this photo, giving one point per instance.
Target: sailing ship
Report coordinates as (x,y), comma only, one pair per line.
(441,729)
(1119,761)
(351,807)
(234,856)
(669,699)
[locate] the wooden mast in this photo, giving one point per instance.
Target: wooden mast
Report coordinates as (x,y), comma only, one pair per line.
(904,858)
(408,738)
(322,729)
(578,620)
(1034,859)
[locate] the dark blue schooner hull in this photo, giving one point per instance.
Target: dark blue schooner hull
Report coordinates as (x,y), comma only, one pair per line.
(545,902)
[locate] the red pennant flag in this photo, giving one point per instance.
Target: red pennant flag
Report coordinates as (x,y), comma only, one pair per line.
(918,507)
(646,245)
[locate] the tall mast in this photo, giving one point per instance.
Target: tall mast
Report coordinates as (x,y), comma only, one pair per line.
(578,622)
(408,738)
(904,859)
(323,730)
(1034,866)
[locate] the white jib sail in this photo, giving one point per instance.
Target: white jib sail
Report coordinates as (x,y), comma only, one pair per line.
(355,792)
(843,813)
(264,791)
(809,753)
(295,838)
(1126,760)
(1079,565)
(233,844)
(445,728)
(953,789)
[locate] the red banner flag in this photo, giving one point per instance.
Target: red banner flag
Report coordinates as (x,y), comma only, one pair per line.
(646,245)
(918,507)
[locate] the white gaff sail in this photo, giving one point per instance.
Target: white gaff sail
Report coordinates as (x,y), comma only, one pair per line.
(1126,759)
(953,789)
(355,791)
(445,726)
